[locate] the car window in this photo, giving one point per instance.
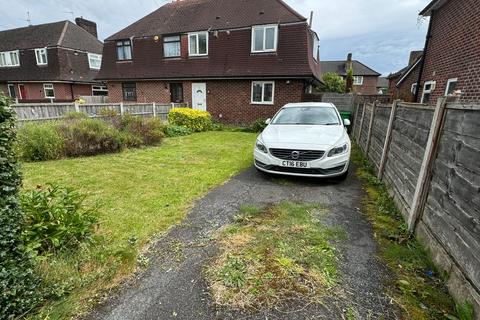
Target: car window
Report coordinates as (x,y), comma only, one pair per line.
(307,116)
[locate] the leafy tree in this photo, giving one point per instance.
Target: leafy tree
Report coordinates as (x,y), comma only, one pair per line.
(332,82)
(18,284)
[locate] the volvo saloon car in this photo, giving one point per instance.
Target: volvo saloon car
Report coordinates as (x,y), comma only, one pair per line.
(305,139)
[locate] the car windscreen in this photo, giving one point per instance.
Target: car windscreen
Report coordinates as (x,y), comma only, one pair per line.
(307,116)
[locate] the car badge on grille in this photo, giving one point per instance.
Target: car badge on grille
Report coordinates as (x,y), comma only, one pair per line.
(295,155)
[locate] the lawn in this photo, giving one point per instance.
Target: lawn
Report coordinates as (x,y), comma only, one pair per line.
(141,194)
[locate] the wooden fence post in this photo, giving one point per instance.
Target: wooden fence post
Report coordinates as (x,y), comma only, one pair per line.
(370,128)
(154,109)
(423,182)
(121,108)
(361,123)
(388,139)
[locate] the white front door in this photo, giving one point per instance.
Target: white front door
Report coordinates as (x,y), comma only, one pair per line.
(199,96)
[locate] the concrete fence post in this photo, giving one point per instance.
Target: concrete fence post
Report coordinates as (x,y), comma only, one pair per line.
(355,115)
(121,108)
(370,128)
(361,123)
(388,140)
(424,178)
(154,106)
(76,106)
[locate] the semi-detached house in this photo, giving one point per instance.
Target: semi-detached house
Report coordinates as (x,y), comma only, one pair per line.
(241,60)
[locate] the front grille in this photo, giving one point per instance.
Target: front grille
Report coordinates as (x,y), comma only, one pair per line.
(306,171)
(304,155)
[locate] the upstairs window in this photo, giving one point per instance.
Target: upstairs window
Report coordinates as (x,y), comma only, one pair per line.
(262,92)
(316,46)
(171,47)
(451,86)
(198,44)
(129,91)
(357,80)
(94,61)
(124,50)
(9,59)
(264,38)
(48,90)
(41,56)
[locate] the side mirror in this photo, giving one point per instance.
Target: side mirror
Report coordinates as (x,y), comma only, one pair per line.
(346,122)
(268,121)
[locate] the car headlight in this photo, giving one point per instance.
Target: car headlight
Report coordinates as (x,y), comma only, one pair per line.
(260,146)
(338,150)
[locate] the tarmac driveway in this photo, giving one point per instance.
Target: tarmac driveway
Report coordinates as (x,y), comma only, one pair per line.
(172,287)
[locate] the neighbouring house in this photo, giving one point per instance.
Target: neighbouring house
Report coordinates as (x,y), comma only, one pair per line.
(403,83)
(240,60)
(451,64)
(365,79)
(53,62)
(382,85)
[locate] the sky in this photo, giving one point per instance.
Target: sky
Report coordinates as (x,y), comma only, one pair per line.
(379,33)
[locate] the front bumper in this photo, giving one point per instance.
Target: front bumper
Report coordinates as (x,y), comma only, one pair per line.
(325,167)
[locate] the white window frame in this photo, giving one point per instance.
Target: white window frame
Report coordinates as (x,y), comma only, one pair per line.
(424,91)
(45,90)
(413,88)
(196,34)
(173,39)
(94,56)
(275,41)
(316,46)
(357,83)
(3,59)
(11,85)
(39,53)
(263,92)
(99,88)
(449,81)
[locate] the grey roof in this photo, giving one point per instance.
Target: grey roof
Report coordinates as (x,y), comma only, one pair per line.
(382,82)
(61,33)
(359,69)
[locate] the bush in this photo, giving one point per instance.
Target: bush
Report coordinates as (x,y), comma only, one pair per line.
(332,82)
(37,142)
(18,282)
(56,218)
(147,131)
(257,126)
(195,120)
(176,131)
(89,137)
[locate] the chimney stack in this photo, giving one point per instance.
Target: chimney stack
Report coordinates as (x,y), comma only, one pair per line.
(414,55)
(89,26)
(349,64)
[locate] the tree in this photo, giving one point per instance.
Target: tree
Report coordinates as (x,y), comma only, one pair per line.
(349,81)
(18,284)
(332,82)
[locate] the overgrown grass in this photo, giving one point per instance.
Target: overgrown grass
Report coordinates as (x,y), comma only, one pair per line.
(275,253)
(141,194)
(417,287)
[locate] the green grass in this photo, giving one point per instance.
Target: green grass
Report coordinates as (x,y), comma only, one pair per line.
(416,287)
(141,194)
(275,253)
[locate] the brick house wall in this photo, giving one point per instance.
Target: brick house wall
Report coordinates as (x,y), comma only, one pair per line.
(63,91)
(454,50)
(228,101)
(403,91)
(369,85)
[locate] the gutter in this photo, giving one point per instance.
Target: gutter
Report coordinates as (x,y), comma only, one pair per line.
(422,65)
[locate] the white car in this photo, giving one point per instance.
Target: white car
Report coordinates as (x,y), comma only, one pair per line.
(305,139)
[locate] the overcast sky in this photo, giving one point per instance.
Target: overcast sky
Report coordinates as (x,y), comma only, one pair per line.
(379,33)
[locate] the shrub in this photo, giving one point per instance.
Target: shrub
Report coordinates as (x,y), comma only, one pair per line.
(56,218)
(75,115)
(147,131)
(18,282)
(89,137)
(176,131)
(257,126)
(332,82)
(195,120)
(37,142)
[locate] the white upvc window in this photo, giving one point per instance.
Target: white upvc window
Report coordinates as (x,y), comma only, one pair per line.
(99,90)
(48,90)
(10,59)
(357,80)
(316,46)
(451,86)
(11,91)
(94,61)
(413,89)
(41,56)
(264,38)
(428,87)
(172,46)
(263,92)
(198,44)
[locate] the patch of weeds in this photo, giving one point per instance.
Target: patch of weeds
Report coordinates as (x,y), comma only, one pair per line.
(275,253)
(418,288)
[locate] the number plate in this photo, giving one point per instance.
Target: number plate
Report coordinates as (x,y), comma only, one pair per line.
(294,164)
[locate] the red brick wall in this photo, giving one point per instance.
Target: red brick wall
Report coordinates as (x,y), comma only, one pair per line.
(63,91)
(403,91)
(454,49)
(369,85)
(227,100)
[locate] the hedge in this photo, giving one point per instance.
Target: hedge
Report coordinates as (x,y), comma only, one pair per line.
(195,120)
